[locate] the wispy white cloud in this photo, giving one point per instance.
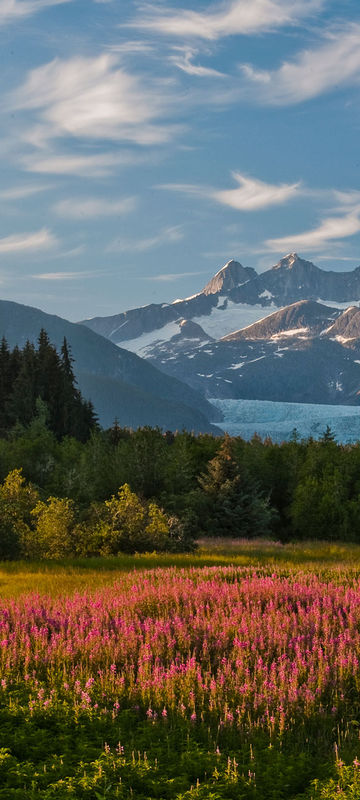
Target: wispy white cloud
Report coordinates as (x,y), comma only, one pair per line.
(227,18)
(93,207)
(62,276)
(130,47)
(21,192)
(40,240)
(349,199)
(329,230)
(183,59)
(165,236)
(334,63)
(84,166)
(13,10)
(95,99)
(173,276)
(251,194)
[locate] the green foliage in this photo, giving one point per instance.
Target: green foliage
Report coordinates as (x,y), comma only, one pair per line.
(17,499)
(220,486)
(32,374)
(234,503)
(345,784)
(53,533)
(126,524)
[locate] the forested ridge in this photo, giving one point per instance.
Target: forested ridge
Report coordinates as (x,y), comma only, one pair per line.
(37,377)
(70,488)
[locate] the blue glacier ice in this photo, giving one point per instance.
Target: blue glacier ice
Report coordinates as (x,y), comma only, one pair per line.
(278,420)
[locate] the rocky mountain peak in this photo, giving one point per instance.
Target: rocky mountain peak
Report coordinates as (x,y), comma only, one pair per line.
(228,277)
(293,262)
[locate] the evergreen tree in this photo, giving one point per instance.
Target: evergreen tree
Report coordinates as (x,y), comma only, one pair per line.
(235,506)
(21,404)
(5,385)
(31,374)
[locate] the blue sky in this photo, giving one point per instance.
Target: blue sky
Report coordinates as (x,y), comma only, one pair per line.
(145,144)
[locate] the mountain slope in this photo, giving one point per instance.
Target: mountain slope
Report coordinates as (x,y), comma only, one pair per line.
(118,382)
(228,277)
(298,319)
(306,352)
(234,298)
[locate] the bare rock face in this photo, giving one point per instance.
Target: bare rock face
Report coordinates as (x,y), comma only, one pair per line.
(233,274)
(347,325)
(293,279)
(191,330)
(305,318)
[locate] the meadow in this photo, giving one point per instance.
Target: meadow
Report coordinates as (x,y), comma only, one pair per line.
(232,672)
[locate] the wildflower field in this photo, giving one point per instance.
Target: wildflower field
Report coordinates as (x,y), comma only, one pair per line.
(200,681)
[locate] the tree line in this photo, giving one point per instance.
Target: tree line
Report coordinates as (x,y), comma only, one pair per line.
(38,377)
(175,487)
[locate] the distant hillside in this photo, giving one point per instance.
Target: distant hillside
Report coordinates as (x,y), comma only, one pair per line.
(119,383)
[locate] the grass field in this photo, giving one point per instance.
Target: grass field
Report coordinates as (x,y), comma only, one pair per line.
(229,673)
(76,575)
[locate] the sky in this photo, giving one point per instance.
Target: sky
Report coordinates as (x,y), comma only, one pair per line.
(143,145)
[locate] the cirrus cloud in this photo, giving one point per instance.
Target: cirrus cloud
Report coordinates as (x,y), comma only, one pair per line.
(334,63)
(97,165)
(165,236)
(330,229)
(21,242)
(251,194)
(94,99)
(93,207)
(227,18)
(12,10)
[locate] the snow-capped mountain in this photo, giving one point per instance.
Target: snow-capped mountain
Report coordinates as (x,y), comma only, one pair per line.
(289,334)
(235,297)
(306,352)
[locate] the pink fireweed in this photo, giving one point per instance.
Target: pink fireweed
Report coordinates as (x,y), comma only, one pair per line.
(231,645)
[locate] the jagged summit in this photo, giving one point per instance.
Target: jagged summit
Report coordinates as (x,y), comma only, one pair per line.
(293,260)
(233,274)
(234,297)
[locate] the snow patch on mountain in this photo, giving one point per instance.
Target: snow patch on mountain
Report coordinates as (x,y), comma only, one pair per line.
(342,339)
(292,332)
(141,344)
(228,316)
(341,306)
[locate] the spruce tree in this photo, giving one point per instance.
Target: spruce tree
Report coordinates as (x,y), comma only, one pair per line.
(21,405)
(31,375)
(5,385)
(235,506)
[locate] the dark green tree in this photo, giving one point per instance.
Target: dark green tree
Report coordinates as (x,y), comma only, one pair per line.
(234,504)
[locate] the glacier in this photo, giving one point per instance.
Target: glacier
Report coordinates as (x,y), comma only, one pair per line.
(278,420)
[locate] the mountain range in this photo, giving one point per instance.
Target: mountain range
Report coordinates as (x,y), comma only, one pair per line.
(291,334)
(233,298)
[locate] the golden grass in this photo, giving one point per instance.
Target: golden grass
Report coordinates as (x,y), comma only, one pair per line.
(77,575)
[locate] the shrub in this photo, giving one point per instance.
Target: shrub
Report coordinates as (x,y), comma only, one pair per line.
(17,499)
(53,534)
